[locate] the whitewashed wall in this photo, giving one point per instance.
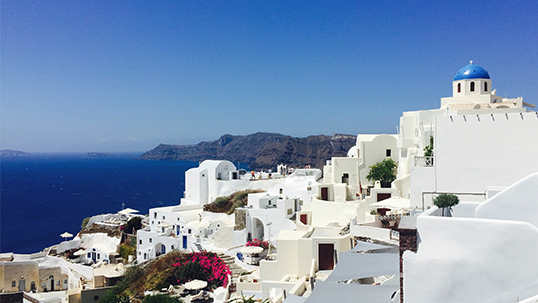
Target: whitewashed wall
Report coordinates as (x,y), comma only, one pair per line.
(471,260)
(473,152)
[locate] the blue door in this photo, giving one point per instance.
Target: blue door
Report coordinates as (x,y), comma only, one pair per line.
(163,249)
(177,230)
(185,242)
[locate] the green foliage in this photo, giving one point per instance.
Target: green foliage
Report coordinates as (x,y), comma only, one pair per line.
(446,200)
(241,197)
(85,222)
(384,171)
(126,251)
(428,149)
(135,223)
(160,298)
(221,202)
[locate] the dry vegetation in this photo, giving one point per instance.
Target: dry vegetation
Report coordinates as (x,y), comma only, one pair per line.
(230,203)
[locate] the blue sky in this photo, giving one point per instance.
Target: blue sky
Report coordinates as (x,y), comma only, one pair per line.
(79,76)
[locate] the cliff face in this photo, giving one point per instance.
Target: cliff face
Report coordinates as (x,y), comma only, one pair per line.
(261,150)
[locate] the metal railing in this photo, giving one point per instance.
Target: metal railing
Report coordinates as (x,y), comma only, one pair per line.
(424,161)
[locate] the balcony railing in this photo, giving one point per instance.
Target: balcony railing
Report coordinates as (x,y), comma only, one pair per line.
(424,161)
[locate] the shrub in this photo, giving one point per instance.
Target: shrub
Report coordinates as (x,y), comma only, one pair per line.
(126,250)
(384,171)
(85,222)
(221,202)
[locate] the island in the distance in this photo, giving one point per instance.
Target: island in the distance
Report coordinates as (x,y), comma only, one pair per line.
(260,150)
(99,155)
(12,153)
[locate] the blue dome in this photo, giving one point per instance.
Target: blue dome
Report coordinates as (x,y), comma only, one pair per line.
(471,71)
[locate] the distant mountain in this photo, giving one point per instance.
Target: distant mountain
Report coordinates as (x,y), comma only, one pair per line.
(99,155)
(12,153)
(260,150)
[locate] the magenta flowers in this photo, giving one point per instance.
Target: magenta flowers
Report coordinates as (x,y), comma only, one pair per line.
(204,266)
(259,243)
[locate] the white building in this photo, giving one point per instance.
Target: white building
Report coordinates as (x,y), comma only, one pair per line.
(481,142)
(486,252)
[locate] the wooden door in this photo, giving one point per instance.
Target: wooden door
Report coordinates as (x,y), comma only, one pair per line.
(303,219)
(325,193)
(326,256)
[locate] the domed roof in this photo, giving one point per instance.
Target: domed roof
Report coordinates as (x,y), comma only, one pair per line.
(471,71)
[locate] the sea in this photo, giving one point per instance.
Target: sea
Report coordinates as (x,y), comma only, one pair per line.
(45,195)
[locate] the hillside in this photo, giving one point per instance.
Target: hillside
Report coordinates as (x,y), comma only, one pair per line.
(12,153)
(260,150)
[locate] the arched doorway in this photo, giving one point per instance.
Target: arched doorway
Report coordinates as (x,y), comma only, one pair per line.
(257,229)
(160,249)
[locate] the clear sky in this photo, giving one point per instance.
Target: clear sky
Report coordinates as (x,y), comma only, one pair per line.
(80,76)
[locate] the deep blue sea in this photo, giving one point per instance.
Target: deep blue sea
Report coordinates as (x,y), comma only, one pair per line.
(45,195)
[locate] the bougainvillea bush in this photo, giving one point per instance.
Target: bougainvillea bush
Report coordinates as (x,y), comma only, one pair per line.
(260,243)
(204,266)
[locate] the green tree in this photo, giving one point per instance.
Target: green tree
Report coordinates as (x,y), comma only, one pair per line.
(384,171)
(446,202)
(135,223)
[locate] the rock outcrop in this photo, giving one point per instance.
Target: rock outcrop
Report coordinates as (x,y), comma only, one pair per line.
(260,150)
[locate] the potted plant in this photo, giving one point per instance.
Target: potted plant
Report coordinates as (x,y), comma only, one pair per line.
(445,202)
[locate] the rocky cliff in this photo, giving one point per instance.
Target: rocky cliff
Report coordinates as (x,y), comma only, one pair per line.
(260,150)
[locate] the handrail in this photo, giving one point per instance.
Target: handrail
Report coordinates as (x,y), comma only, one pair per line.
(424,161)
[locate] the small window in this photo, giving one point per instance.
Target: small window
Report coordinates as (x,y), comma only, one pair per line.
(32,286)
(98,257)
(472,86)
(309,188)
(13,284)
(190,231)
(149,240)
(139,253)
(172,247)
(459,87)
(155,215)
(281,190)
(388,153)
(140,242)
(96,298)
(145,256)
(290,211)
(164,218)
(485,86)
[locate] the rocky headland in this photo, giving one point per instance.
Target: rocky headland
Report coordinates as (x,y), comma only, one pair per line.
(260,150)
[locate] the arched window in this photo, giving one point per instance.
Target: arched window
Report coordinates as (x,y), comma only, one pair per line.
(485,86)
(459,87)
(472,86)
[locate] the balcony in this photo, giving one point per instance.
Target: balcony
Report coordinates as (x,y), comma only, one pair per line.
(424,161)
